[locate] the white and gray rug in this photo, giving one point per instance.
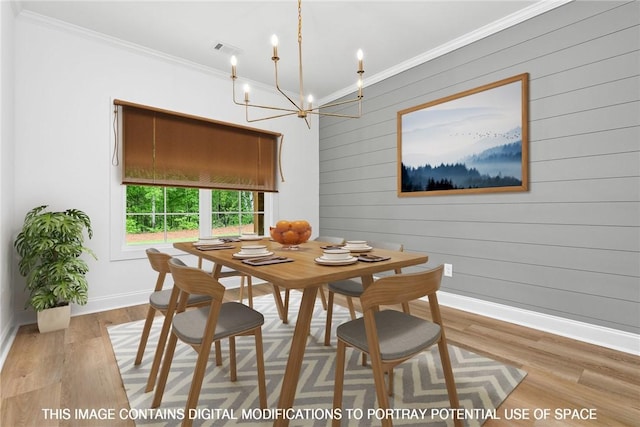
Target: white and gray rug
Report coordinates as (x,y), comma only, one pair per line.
(419,399)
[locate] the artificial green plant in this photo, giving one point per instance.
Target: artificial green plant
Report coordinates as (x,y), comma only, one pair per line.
(50,245)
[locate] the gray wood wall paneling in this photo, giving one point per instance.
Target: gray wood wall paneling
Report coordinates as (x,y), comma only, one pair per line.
(571,245)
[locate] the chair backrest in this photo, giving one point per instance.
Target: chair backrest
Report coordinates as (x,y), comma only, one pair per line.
(390,246)
(191,280)
(401,288)
(159,262)
(330,239)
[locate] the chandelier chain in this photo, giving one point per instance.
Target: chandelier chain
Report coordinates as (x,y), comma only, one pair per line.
(299,21)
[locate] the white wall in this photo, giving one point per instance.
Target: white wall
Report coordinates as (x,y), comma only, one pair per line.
(7,328)
(66,80)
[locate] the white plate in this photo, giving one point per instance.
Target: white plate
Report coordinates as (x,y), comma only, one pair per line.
(250,237)
(208,242)
(241,255)
(323,261)
(358,249)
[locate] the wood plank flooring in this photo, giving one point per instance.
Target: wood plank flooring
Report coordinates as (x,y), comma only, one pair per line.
(76,368)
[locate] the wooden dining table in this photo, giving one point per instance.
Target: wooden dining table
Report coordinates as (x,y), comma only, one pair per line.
(306,275)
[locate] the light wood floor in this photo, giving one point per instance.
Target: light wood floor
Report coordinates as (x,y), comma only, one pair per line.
(76,368)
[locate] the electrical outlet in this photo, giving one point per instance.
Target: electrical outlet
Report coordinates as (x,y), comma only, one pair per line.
(448,270)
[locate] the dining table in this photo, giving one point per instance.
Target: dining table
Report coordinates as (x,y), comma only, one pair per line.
(302,272)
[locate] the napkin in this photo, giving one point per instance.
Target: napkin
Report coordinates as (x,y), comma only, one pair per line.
(373,258)
(267,261)
(332,247)
(213,247)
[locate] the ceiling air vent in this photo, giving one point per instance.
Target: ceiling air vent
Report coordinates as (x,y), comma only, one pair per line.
(226,48)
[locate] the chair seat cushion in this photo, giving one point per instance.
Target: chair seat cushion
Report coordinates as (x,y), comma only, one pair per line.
(160,300)
(231,273)
(400,335)
(234,318)
(351,288)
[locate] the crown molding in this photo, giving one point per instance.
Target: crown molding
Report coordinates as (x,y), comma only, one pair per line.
(114,41)
(16,6)
(132,47)
(482,32)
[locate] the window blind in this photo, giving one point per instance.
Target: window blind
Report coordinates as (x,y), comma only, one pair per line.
(161,147)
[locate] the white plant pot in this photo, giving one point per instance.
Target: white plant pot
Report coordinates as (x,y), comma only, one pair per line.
(54,319)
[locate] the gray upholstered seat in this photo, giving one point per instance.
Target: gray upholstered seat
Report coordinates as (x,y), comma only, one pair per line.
(352,288)
(391,337)
(203,327)
(400,334)
(233,319)
(160,299)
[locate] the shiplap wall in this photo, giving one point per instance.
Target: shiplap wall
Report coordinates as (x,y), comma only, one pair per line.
(570,246)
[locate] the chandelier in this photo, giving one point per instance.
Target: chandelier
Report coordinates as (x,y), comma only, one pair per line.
(300,108)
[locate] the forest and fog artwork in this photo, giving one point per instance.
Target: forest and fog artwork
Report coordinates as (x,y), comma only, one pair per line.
(472,142)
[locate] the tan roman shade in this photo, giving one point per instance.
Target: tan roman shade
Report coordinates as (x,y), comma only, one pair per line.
(171,149)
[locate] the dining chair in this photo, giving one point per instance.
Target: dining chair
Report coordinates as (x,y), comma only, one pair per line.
(391,337)
(234,273)
(352,288)
(325,239)
(201,327)
(159,301)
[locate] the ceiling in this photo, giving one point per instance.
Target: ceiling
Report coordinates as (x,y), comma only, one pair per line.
(388,32)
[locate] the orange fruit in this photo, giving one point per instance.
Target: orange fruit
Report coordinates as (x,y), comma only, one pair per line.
(300,226)
(283,225)
(290,237)
(274,234)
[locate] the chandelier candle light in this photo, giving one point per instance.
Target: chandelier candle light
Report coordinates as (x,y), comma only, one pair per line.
(299,108)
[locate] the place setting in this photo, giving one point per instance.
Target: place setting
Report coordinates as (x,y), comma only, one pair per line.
(211,243)
(342,254)
(336,256)
(259,255)
(357,246)
(248,237)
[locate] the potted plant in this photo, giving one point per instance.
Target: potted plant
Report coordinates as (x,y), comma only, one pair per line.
(50,245)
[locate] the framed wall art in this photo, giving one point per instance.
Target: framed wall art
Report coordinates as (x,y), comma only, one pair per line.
(471,142)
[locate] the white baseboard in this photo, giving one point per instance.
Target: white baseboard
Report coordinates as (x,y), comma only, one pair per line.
(111,302)
(6,340)
(593,334)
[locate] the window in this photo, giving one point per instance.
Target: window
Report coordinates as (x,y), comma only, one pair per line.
(236,212)
(178,177)
(169,214)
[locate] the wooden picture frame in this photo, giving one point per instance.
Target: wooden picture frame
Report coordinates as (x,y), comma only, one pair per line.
(475,141)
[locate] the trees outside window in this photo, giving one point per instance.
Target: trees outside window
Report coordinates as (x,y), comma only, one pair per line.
(169,214)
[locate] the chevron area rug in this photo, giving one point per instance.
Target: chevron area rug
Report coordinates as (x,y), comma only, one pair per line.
(419,399)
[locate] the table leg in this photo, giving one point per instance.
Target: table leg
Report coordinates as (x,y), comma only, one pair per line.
(296,354)
(279,305)
(217,268)
(366,281)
